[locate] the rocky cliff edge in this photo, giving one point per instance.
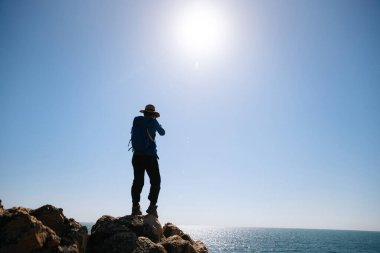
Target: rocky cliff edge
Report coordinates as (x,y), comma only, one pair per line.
(47,230)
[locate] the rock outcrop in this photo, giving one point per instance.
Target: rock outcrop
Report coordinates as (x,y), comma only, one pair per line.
(44,230)
(140,234)
(177,241)
(47,230)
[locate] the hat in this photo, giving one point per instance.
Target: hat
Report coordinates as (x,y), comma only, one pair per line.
(151,109)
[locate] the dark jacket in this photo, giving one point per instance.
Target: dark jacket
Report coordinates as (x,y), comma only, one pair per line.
(153,127)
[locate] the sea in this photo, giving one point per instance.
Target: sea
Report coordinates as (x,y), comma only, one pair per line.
(239,240)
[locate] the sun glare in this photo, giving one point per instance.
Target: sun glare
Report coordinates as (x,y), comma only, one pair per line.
(201,30)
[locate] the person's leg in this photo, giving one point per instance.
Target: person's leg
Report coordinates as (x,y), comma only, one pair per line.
(138,180)
(155,180)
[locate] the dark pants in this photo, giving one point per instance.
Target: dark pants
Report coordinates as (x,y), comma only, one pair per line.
(142,163)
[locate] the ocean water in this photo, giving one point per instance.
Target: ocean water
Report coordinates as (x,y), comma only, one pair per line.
(239,240)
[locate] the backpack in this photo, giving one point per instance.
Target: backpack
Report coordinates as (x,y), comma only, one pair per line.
(140,137)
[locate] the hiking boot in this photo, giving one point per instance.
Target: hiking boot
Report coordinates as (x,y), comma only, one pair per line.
(136,210)
(152,209)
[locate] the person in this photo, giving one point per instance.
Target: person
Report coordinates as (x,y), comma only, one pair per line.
(146,160)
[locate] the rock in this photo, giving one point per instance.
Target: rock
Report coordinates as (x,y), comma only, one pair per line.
(20,232)
(144,245)
(187,237)
(45,229)
(178,241)
(73,235)
(175,244)
(52,217)
(152,228)
(143,225)
(140,234)
(171,229)
(123,232)
(200,247)
(112,235)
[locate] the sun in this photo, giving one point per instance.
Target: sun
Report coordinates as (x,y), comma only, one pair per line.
(201,29)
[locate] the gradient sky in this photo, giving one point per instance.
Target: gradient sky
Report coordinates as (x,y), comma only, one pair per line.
(278,127)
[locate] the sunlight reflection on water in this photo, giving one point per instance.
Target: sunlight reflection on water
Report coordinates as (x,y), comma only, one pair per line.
(228,240)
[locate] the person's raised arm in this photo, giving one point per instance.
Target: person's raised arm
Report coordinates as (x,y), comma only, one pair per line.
(159,128)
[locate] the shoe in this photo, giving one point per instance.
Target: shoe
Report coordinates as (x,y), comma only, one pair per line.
(152,209)
(136,210)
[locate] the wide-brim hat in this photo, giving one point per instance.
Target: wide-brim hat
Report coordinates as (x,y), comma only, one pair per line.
(150,109)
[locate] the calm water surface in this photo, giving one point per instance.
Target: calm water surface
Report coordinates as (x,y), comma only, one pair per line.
(229,240)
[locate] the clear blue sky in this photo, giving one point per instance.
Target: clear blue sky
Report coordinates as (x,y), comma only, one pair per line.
(279,127)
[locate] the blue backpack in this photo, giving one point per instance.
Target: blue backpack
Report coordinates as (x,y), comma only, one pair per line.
(141,139)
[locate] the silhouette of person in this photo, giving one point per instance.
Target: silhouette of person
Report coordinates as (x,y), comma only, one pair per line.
(147,160)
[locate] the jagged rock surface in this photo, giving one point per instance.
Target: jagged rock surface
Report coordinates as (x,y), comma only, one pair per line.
(140,234)
(177,241)
(73,235)
(44,230)
(47,230)
(145,245)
